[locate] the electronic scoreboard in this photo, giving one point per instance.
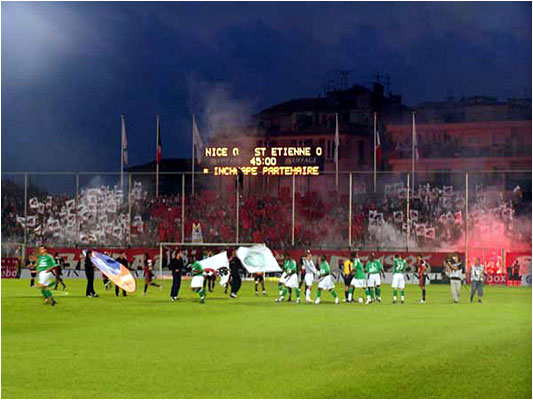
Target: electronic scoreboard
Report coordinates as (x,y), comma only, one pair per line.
(275,160)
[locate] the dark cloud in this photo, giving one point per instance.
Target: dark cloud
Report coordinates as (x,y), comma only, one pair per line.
(70,69)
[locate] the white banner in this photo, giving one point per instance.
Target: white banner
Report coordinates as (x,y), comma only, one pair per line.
(215,262)
(258,258)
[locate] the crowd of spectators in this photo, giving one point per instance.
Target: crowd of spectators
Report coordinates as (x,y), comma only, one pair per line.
(436,218)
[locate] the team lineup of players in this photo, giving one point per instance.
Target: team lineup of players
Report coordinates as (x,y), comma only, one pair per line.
(356,276)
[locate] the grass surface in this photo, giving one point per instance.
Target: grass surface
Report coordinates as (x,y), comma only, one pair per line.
(148,347)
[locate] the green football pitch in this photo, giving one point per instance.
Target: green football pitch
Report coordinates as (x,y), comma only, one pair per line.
(252,347)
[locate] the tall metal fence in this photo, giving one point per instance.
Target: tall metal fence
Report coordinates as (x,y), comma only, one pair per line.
(428,210)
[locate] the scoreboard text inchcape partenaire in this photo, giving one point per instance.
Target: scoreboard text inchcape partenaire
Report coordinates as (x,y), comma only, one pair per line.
(276,160)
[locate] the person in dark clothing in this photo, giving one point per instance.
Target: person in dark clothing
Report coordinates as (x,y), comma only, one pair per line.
(235,266)
(177,266)
(210,277)
(32,266)
(89,273)
(59,271)
(149,274)
(124,261)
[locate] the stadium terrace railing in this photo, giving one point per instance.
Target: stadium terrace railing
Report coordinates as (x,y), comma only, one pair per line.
(448,211)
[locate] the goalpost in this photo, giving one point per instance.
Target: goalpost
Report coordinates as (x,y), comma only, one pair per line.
(168,247)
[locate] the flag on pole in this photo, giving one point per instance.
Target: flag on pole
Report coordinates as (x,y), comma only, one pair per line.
(159,144)
(197,140)
(124,142)
(378,148)
(415,141)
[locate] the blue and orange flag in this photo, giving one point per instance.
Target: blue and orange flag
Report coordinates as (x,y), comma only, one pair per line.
(115,271)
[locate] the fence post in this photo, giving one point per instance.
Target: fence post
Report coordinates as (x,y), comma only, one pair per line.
(293,196)
(408,217)
(350,213)
(23,255)
(76,197)
(237,211)
(466,221)
(129,208)
(182,208)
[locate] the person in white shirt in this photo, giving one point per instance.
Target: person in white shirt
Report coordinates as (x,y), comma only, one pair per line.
(456,276)
(310,273)
(477,274)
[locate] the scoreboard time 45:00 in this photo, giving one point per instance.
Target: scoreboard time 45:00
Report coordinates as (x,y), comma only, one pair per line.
(280,160)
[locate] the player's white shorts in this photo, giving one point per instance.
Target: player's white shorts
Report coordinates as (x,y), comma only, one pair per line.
(45,278)
(292,281)
(374,280)
(197,282)
(283,278)
(326,283)
(398,281)
(358,283)
(224,279)
(309,278)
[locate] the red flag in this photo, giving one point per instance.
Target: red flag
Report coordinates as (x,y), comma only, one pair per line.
(159,144)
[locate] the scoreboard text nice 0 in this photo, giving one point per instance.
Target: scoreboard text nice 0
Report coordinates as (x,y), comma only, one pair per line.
(276,160)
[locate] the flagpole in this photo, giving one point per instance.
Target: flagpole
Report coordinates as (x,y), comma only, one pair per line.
(157,158)
(413,150)
(122,154)
(336,151)
(192,160)
(375,155)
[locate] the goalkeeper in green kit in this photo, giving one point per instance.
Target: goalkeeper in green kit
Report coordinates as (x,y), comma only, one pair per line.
(374,269)
(45,264)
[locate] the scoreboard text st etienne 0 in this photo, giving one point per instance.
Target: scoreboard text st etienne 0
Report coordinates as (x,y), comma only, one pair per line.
(276,160)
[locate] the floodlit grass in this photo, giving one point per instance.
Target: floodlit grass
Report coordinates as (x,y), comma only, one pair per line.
(148,347)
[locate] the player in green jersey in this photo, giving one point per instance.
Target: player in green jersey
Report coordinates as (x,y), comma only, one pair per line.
(291,281)
(398,279)
(197,281)
(374,269)
(284,277)
(45,265)
(358,280)
(325,280)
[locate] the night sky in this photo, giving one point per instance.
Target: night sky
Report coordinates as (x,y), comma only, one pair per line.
(69,70)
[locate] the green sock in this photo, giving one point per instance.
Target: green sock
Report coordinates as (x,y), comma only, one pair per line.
(285,291)
(371,290)
(367,292)
(201,292)
(402,293)
(378,290)
(280,288)
(43,291)
(297,293)
(395,292)
(334,293)
(318,293)
(49,293)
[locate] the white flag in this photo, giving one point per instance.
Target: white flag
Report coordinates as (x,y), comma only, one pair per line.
(124,142)
(215,262)
(258,258)
(197,140)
